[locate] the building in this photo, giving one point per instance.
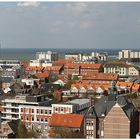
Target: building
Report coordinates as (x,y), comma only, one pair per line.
(38,63)
(73,122)
(9,63)
(112,117)
(99,78)
(11,106)
(120,68)
(74,56)
(9,129)
(35,117)
(81,68)
(126,54)
(48,56)
(101,56)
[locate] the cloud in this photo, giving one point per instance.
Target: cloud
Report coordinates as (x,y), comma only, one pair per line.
(28,4)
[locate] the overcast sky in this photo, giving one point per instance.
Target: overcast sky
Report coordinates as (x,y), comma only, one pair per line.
(70,25)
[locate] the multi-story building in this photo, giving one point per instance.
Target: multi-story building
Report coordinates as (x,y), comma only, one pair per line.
(74,106)
(74,56)
(35,117)
(125,54)
(121,68)
(48,56)
(11,106)
(9,63)
(37,63)
(112,117)
(81,68)
(102,56)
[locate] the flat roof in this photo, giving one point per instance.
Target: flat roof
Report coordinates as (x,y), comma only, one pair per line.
(79,101)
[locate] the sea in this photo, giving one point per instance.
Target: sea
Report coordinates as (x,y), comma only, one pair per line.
(26,54)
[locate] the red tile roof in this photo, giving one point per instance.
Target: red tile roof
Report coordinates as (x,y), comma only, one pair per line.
(82,65)
(101,76)
(42,74)
(66,120)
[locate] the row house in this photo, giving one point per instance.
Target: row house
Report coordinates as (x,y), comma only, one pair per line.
(89,88)
(81,68)
(124,85)
(35,117)
(99,78)
(111,117)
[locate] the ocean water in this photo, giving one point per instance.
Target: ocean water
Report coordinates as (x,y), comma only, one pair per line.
(29,53)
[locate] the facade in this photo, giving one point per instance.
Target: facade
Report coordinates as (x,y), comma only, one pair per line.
(128,54)
(37,63)
(120,68)
(9,129)
(111,117)
(9,63)
(48,56)
(101,56)
(74,56)
(35,117)
(81,68)
(11,106)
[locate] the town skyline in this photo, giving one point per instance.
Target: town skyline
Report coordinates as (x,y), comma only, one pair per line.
(102,25)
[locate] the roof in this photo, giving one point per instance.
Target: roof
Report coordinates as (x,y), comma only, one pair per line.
(104,105)
(63,61)
(42,74)
(124,84)
(66,120)
(57,68)
(79,101)
(82,65)
(101,76)
(116,64)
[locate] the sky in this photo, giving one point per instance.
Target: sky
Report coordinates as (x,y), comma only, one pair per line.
(96,25)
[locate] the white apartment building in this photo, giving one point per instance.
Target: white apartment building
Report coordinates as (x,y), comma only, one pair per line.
(38,63)
(128,54)
(48,56)
(11,106)
(9,63)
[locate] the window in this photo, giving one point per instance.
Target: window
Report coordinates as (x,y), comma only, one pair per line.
(32,118)
(62,109)
(42,119)
(27,118)
(37,111)
(21,109)
(41,111)
(46,119)
(32,110)
(21,117)
(50,112)
(46,111)
(37,118)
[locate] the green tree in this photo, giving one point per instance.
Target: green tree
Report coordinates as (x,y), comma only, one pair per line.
(22,132)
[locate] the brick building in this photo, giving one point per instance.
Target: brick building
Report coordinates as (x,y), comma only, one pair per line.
(112,117)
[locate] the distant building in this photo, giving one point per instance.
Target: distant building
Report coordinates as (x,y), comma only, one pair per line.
(128,54)
(9,63)
(48,56)
(101,56)
(74,56)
